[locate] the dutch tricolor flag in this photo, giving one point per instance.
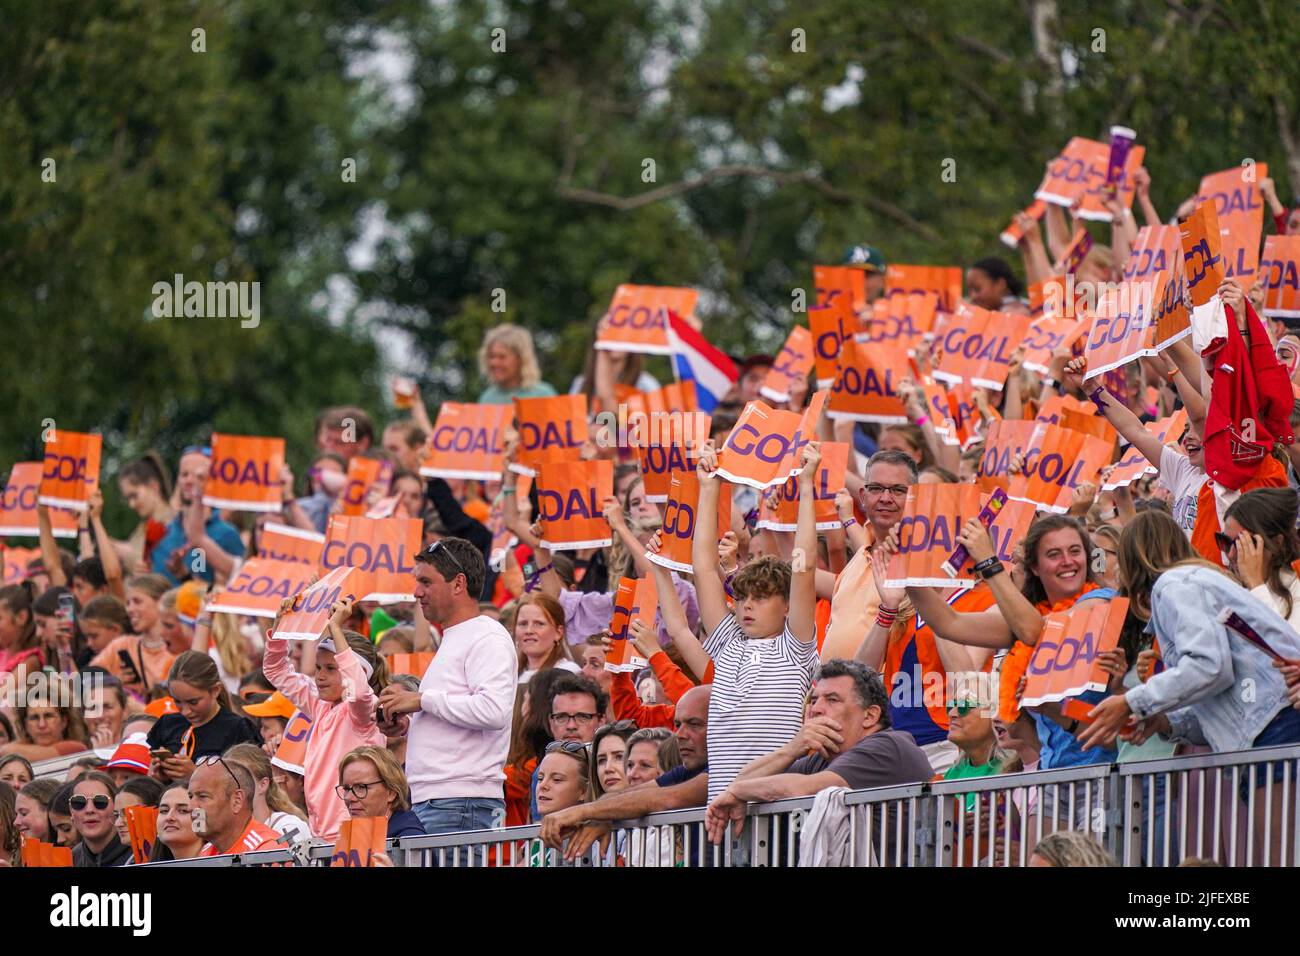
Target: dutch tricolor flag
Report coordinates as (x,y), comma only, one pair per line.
(694,358)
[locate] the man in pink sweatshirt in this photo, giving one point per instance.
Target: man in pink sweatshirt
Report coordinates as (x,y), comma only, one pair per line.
(458,728)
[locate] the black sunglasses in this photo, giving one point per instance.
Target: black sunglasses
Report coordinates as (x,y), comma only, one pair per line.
(217,758)
(570,747)
(99,801)
(1225,543)
(439,548)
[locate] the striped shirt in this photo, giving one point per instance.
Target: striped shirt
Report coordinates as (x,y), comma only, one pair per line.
(759,686)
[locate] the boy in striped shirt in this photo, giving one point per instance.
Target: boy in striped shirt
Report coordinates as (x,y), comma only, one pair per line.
(765,652)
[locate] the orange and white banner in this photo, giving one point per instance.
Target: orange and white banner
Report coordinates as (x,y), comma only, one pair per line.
(550,429)
(1056,297)
(245,473)
(1055,405)
(1064,663)
(637,318)
(1048,334)
(902,320)
(282,542)
(1280,268)
(414,664)
(18,506)
(382,550)
(16,561)
(637,599)
(570,503)
(70,473)
(1172,320)
(831,327)
(291,755)
(311,606)
(864,384)
(468,441)
(679,521)
(502,539)
(260,586)
(1157,249)
(763,447)
(1134,465)
(1239,206)
(1202,254)
(359,840)
(659,461)
(1080,172)
(1122,328)
(932,520)
(827,482)
(365,475)
(945,281)
(1087,420)
(792,365)
(142,829)
(976,346)
(1012,235)
(1056,464)
(1005,439)
(674,397)
(846,284)
(940,403)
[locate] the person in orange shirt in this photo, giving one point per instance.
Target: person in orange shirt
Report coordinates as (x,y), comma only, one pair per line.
(221,805)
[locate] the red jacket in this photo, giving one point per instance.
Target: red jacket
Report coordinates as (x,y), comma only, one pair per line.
(1250,404)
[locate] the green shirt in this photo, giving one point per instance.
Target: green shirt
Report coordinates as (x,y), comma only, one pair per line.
(494,395)
(963,769)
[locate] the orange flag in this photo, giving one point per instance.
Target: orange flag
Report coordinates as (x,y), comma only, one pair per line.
(1133,465)
(828,480)
(1172,320)
(945,281)
(282,542)
(413,664)
(658,462)
(1087,420)
(1048,334)
(311,606)
(977,344)
(637,599)
(468,442)
(679,521)
(18,506)
(1239,207)
(902,320)
(637,318)
(830,328)
(792,365)
(260,586)
(364,475)
(245,473)
(1281,270)
(1064,662)
(764,446)
(570,501)
(359,840)
(71,469)
(1056,464)
(844,283)
(1202,254)
(1012,235)
(381,550)
(1157,249)
(1122,329)
(550,429)
(142,825)
(864,384)
(291,755)
(1004,440)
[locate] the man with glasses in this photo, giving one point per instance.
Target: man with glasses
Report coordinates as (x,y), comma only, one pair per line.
(197,542)
(458,723)
(854,601)
(577,708)
(221,805)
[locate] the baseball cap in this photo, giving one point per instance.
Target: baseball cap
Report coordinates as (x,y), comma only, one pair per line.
(277,705)
(131,754)
(161,707)
(865,257)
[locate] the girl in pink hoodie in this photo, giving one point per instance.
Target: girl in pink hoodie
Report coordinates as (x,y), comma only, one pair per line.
(341,703)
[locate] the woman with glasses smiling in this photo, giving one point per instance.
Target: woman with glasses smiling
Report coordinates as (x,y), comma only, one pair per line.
(373,784)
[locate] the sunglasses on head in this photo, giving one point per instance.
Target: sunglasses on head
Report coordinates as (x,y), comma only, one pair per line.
(217,758)
(570,747)
(99,801)
(439,548)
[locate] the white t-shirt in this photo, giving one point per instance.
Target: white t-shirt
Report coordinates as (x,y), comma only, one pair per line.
(1265,594)
(758,693)
(564,664)
(295,827)
(1184,480)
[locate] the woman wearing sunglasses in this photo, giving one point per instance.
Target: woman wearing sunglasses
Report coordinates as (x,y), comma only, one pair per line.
(1259,537)
(373,784)
(91,804)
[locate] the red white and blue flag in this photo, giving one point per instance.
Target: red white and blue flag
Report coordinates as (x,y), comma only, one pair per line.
(712,371)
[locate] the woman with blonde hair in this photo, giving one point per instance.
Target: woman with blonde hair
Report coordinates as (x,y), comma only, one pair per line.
(1070,848)
(373,784)
(271,805)
(509,363)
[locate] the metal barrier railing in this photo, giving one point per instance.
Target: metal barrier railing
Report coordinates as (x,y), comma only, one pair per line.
(1226,807)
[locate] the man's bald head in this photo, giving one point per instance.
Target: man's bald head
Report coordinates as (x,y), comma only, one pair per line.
(691,726)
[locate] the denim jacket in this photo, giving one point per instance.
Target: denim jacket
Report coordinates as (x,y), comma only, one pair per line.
(1216,687)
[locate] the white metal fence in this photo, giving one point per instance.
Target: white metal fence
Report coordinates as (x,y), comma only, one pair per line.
(1225,807)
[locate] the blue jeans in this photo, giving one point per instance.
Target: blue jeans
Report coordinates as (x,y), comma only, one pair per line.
(1282,729)
(457,814)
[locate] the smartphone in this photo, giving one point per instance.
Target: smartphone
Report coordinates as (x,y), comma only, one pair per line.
(129,675)
(67,608)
